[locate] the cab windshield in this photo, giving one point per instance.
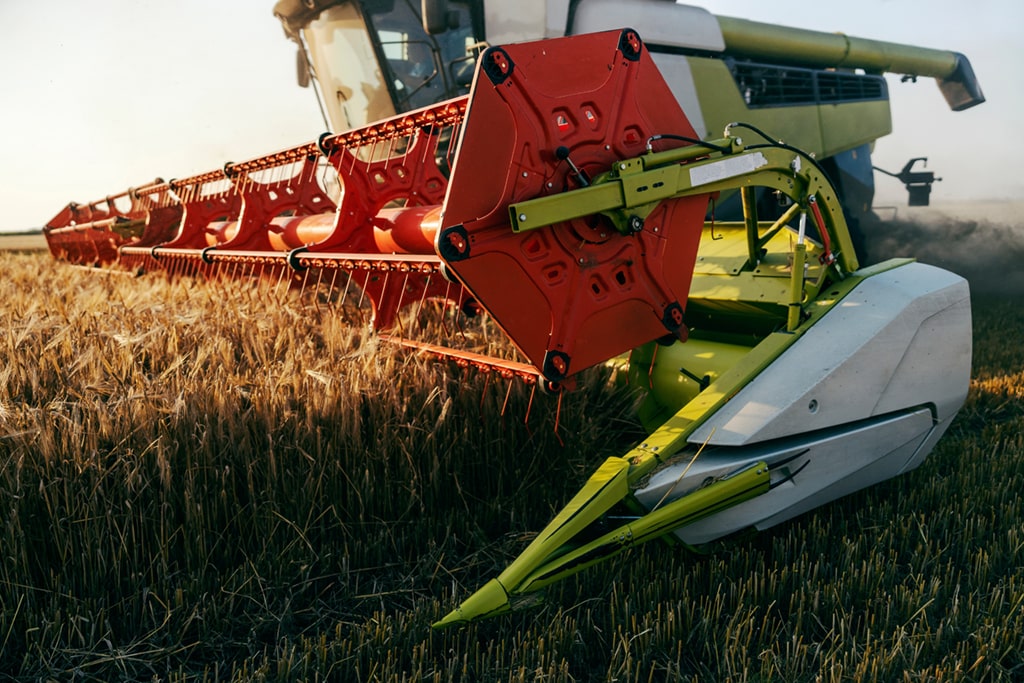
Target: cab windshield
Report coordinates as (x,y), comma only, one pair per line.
(373,59)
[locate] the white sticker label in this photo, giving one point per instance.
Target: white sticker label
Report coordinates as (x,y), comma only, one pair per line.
(726,168)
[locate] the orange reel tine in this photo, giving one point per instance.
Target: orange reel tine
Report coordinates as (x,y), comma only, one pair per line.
(316,289)
(483,394)
(398,307)
(281,271)
(423,298)
(344,296)
(508,394)
(353,154)
(529,405)
(232,275)
(407,143)
(330,288)
(164,268)
(362,290)
(444,314)
(426,148)
(215,275)
(384,293)
(373,151)
(256,281)
(459,313)
(452,142)
(388,154)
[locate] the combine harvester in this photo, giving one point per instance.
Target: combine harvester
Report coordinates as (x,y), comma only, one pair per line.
(570,199)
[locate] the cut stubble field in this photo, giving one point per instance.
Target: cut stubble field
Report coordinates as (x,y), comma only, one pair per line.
(215,481)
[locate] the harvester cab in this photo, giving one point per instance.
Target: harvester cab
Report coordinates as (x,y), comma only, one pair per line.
(575,196)
(373,59)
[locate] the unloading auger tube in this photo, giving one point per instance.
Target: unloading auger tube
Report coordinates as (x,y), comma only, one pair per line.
(574,215)
(785,44)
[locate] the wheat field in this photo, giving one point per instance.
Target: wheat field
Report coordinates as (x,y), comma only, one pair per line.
(221,482)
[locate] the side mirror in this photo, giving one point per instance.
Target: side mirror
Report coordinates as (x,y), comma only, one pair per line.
(435,15)
(302,68)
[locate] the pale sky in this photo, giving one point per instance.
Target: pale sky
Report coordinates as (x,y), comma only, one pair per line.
(101,95)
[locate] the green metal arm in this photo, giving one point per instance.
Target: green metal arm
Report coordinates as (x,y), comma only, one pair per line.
(548,559)
(631,190)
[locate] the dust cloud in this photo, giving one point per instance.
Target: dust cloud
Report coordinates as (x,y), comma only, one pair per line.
(982,242)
